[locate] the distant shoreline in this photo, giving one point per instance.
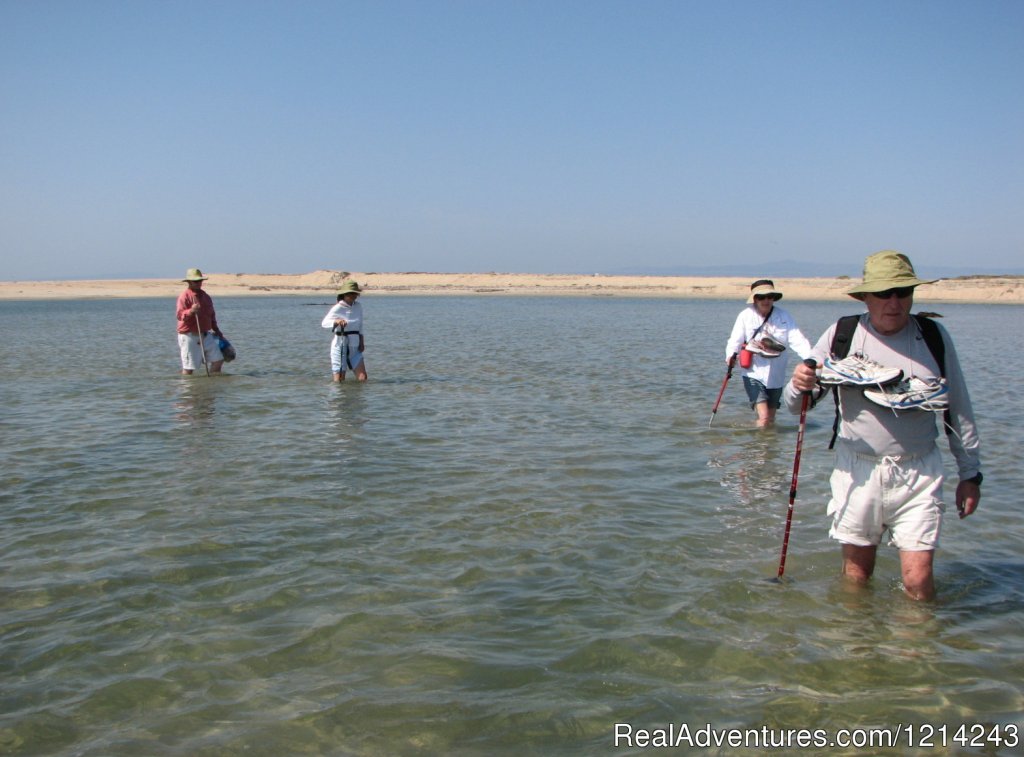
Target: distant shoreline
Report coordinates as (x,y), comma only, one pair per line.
(970,289)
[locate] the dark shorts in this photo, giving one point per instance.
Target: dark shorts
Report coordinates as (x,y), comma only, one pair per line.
(756,392)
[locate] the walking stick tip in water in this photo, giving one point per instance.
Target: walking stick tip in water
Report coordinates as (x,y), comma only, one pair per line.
(728,375)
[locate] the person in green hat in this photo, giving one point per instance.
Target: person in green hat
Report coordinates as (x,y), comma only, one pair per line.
(898,386)
(345,320)
(198,333)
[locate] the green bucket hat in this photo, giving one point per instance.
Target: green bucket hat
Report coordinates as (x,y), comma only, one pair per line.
(194,274)
(349,286)
(884,270)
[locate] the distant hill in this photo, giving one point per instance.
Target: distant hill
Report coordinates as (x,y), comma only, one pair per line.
(796,269)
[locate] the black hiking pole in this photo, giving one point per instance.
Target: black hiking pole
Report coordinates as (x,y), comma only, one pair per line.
(805,400)
(728,375)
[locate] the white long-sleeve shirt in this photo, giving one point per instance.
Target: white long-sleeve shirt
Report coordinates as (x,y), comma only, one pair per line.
(876,431)
(780,326)
(353,315)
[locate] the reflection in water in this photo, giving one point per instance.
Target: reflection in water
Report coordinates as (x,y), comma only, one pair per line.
(342,433)
(346,409)
(195,403)
(758,471)
(878,621)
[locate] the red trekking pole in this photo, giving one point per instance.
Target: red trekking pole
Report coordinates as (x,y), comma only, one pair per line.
(728,375)
(804,402)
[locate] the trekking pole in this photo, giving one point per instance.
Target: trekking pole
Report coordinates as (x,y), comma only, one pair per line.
(804,402)
(202,346)
(728,375)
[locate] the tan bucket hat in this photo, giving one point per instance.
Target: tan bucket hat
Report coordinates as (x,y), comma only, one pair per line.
(194,274)
(885,270)
(763,286)
(349,286)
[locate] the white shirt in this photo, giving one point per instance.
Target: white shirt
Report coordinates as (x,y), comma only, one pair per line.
(780,326)
(353,315)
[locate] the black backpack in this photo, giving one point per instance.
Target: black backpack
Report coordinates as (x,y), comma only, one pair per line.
(840,348)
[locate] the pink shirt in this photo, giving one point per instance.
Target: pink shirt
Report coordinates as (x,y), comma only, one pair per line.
(207,315)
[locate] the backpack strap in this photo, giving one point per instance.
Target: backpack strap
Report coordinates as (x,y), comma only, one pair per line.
(933,338)
(842,337)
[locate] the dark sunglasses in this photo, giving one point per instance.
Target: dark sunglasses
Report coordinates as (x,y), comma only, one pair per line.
(900,292)
(760,297)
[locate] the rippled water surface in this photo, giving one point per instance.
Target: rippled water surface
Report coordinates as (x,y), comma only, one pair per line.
(518,534)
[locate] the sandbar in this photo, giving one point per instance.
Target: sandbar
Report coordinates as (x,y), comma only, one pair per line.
(323,283)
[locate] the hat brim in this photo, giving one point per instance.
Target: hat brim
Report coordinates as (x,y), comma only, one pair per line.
(883,285)
(775,296)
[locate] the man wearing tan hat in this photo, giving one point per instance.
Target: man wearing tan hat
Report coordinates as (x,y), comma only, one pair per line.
(894,396)
(198,332)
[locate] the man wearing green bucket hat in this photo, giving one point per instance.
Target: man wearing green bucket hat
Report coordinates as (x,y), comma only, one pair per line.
(198,333)
(345,320)
(894,375)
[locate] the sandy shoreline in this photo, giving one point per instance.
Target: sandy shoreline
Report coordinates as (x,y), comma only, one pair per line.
(976,289)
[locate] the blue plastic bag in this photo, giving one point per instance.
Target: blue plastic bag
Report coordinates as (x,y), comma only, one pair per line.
(226,349)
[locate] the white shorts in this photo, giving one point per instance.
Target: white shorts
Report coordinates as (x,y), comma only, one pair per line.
(192,353)
(872,494)
(345,354)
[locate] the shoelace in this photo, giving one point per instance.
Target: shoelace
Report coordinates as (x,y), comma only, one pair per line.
(911,392)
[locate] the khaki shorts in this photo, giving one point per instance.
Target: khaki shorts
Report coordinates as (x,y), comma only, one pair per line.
(873,494)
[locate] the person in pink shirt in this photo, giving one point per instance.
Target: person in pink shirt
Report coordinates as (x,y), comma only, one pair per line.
(198,332)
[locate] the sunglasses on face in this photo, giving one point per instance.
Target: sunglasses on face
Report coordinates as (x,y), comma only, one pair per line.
(900,292)
(762,297)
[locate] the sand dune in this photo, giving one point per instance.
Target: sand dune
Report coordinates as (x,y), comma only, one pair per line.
(996,289)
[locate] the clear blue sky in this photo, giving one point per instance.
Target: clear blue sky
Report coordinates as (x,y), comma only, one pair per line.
(139,138)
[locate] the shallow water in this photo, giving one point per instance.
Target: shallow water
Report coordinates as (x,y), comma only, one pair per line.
(518,534)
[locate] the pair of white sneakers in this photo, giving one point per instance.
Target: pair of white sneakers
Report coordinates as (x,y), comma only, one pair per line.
(887,388)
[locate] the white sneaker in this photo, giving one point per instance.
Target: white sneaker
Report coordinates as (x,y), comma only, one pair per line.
(914,393)
(857,370)
(766,346)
